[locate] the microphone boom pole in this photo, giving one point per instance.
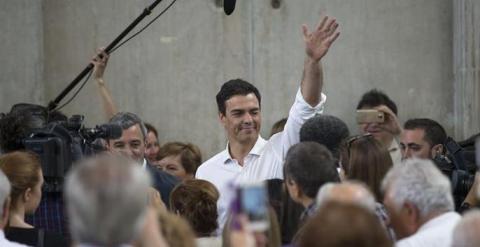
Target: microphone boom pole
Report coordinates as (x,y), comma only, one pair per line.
(147,11)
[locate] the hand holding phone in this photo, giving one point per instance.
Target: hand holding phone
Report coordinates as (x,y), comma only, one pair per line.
(253,202)
(370,116)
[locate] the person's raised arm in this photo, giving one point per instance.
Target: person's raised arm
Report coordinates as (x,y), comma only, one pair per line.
(317,44)
(100,63)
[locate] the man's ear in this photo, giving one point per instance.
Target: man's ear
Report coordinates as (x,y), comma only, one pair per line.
(413,217)
(221,118)
(293,188)
(436,150)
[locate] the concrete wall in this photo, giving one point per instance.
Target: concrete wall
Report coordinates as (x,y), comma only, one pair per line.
(171,72)
(21,53)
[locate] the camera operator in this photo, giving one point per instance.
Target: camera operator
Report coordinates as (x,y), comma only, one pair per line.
(425,139)
(15,126)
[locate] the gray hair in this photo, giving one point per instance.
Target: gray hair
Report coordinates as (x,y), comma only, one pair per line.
(106,200)
(127,120)
(420,183)
(466,231)
(352,191)
(4,190)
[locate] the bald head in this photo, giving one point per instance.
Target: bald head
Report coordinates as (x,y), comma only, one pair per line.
(346,192)
(466,231)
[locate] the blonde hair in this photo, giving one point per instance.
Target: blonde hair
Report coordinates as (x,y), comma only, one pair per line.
(22,170)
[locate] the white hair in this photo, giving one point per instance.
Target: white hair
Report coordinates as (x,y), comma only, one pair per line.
(106,200)
(359,194)
(466,231)
(4,190)
(421,183)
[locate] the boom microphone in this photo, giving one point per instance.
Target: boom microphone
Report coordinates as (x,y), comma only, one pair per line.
(229,6)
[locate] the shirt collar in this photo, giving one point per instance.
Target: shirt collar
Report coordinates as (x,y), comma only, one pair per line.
(256,150)
(144,164)
(393,146)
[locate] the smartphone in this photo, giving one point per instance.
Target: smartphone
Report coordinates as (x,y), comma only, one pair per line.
(253,202)
(370,116)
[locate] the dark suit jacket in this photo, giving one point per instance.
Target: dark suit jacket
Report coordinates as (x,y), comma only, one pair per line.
(163,182)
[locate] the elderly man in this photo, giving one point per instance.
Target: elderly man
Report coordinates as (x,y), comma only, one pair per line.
(4,210)
(419,200)
(107,198)
(348,192)
(248,157)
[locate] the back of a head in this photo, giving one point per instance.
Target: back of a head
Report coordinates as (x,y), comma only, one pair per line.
(232,88)
(310,165)
(176,230)
(366,160)
(434,132)
(326,130)
(196,200)
(106,200)
(421,183)
(374,98)
(151,128)
(23,172)
(346,192)
(127,120)
(4,193)
(339,224)
(190,155)
(278,126)
(466,231)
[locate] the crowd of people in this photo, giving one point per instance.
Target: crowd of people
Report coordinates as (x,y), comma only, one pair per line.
(316,185)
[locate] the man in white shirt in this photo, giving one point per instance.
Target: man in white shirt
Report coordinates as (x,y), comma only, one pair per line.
(248,157)
(4,210)
(386,132)
(419,200)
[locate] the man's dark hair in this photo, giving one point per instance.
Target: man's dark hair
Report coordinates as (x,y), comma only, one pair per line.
(127,120)
(310,165)
(434,132)
(374,98)
(232,88)
(326,130)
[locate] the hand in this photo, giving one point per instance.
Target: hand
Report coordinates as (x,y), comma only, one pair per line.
(100,63)
(242,237)
(155,200)
(319,41)
(391,123)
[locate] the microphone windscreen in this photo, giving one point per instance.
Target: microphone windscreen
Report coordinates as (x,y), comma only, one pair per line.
(228,6)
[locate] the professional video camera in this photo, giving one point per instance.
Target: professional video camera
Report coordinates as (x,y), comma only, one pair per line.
(455,167)
(58,143)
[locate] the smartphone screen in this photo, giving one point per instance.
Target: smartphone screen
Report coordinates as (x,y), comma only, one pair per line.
(253,202)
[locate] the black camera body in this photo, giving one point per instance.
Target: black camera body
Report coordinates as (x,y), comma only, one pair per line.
(454,166)
(61,143)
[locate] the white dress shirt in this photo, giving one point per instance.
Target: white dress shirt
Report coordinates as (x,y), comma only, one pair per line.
(7,243)
(395,152)
(436,232)
(264,161)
